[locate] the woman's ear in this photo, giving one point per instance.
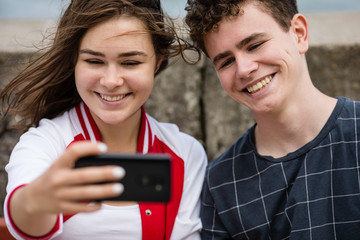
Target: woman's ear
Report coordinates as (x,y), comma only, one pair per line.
(159,60)
(299,26)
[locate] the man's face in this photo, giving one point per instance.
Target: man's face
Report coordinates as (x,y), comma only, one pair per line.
(257,62)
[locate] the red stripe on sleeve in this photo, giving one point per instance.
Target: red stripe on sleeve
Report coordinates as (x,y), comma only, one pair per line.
(24,235)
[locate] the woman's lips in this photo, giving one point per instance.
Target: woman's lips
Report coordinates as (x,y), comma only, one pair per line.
(112,98)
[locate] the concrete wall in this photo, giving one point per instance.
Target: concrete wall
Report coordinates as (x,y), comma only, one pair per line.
(191,96)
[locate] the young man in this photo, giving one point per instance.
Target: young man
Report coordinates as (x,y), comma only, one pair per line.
(296,173)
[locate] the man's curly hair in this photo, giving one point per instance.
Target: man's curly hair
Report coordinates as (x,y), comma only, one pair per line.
(204,15)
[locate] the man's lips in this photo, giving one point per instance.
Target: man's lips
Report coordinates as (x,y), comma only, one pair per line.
(259,85)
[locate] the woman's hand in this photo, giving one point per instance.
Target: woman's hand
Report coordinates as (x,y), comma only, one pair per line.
(62,189)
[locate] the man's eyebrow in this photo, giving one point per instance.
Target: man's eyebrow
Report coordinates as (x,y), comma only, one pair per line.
(220,56)
(125,54)
(250,38)
(240,45)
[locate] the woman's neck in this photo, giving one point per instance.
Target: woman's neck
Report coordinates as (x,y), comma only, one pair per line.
(121,138)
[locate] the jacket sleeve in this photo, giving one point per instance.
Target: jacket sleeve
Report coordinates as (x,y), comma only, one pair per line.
(187,223)
(31,156)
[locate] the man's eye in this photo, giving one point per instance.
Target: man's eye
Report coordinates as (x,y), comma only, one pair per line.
(227,62)
(255,46)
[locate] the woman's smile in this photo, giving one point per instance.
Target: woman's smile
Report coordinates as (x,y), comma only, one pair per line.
(113,98)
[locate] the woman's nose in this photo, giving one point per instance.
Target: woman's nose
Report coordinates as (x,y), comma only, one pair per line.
(112,77)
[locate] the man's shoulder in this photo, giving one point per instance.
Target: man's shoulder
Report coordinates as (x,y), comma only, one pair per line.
(241,147)
(348,101)
(347,107)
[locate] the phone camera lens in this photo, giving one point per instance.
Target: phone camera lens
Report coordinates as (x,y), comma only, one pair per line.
(158,187)
(145,180)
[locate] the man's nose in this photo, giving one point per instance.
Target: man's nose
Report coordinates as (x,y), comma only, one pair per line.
(245,65)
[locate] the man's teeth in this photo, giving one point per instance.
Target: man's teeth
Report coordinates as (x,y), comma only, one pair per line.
(259,85)
(112,99)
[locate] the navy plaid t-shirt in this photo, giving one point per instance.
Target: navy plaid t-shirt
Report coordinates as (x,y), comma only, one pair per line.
(313,193)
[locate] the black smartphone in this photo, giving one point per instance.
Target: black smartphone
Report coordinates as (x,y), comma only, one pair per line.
(147,177)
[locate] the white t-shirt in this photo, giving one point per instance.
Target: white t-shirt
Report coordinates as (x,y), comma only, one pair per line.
(111,222)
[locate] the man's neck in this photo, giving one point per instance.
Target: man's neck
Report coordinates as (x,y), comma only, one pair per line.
(278,134)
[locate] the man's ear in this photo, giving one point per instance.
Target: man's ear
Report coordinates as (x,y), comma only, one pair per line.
(299,27)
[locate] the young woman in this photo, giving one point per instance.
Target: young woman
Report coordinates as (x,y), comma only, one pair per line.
(85,96)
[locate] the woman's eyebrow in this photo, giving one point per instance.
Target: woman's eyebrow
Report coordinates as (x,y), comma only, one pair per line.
(132,53)
(125,54)
(91,52)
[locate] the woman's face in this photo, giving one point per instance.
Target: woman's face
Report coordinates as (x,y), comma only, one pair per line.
(114,72)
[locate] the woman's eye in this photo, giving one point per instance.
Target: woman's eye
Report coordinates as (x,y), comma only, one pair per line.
(93,61)
(131,63)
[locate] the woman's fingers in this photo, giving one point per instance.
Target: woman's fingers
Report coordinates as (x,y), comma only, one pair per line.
(70,207)
(78,150)
(90,192)
(86,175)
(63,189)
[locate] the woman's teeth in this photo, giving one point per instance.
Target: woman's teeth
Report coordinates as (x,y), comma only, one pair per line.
(112,98)
(259,85)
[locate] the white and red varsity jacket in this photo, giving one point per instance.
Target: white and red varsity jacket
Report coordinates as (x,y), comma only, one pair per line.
(179,219)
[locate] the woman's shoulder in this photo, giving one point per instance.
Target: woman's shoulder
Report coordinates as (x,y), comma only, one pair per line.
(169,130)
(172,136)
(57,131)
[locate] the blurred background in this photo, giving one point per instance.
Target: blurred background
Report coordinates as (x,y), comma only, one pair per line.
(202,108)
(49,9)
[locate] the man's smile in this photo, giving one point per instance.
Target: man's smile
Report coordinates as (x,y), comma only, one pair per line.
(259,85)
